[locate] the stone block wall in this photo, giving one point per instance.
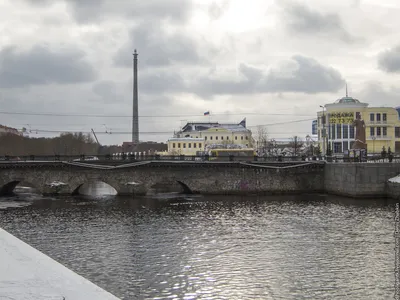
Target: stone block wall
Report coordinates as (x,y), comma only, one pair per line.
(393,190)
(359,179)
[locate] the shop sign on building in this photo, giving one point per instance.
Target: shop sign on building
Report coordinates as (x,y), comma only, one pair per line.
(341,118)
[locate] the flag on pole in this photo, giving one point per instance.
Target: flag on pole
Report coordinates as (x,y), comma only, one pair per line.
(206,113)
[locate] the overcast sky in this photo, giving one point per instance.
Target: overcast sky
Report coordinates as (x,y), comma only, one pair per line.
(270,61)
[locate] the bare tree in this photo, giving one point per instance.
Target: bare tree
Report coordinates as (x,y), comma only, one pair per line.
(262,139)
(295,145)
(273,148)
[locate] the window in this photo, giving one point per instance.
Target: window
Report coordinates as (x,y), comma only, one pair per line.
(351,131)
(194,145)
(216,138)
(378,131)
(235,137)
(337,147)
(211,138)
(378,117)
(197,137)
(339,130)
(222,137)
(384,131)
(397,132)
(227,138)
(173,145)
(179,145)
(319,135)
(372,117)
(345,131)
(205,138)
(372,131)
(241,137)
(184,145)
(199,145)
(247,137)
(333,132)
(384,117)
(190,145)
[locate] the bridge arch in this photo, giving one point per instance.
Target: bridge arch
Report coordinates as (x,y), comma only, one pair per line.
(167,185)
(8,188)
(76,188)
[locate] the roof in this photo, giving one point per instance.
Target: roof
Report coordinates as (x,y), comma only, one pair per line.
(347,99)
(203,126)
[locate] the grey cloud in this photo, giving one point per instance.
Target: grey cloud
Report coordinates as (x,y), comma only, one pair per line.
(107,91)
(40,65)
(217,9)
(378,94)
(301,19)
(157,48)
(306,76)
(389,60)
(161,82)
(87,11)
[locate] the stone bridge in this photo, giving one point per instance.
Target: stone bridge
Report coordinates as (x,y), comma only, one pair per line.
(140,177)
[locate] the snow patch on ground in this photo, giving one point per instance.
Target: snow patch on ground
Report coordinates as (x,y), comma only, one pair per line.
(132,183)
(395,179)
(56,183)
(27,274)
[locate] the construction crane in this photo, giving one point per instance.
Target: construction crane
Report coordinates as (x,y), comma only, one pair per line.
(99,145)
(94,134)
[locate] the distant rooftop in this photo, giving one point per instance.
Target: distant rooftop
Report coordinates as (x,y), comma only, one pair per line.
(347,99)
(202,126)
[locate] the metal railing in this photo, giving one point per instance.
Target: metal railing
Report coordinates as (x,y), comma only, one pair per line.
(125,158)
(128,158)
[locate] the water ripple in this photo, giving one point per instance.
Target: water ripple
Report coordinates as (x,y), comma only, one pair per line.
(295,247)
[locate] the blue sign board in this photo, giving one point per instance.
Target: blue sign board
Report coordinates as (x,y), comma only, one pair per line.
(314,127)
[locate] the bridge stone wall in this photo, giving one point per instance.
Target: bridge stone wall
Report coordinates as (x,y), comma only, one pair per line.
(204,178)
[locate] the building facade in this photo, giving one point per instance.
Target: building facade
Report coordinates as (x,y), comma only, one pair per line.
(336,132)
(185,146)
(217,133)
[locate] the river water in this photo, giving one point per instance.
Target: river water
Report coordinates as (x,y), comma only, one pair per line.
(276,247)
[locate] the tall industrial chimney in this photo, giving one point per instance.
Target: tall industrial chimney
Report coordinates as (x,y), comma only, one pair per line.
(135,114)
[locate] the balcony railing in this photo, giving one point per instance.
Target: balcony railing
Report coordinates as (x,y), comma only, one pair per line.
(379,137)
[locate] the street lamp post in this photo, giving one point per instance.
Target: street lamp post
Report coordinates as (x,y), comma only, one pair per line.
(323,130)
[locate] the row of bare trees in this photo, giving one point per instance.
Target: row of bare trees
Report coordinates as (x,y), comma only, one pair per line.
(295,147)
(65,144)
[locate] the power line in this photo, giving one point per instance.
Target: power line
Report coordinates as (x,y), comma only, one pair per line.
(155,132)
(145,116)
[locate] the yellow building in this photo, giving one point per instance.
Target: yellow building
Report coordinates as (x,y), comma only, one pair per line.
(216,133)
(185,146)
(382,126)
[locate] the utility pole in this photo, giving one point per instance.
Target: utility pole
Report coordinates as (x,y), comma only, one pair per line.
(135,113)
(323,131)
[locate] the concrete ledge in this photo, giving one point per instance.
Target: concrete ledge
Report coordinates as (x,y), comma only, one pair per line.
(26,274)
(393,190)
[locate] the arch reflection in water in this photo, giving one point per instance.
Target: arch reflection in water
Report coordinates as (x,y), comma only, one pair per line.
(95,188)
(17,187)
